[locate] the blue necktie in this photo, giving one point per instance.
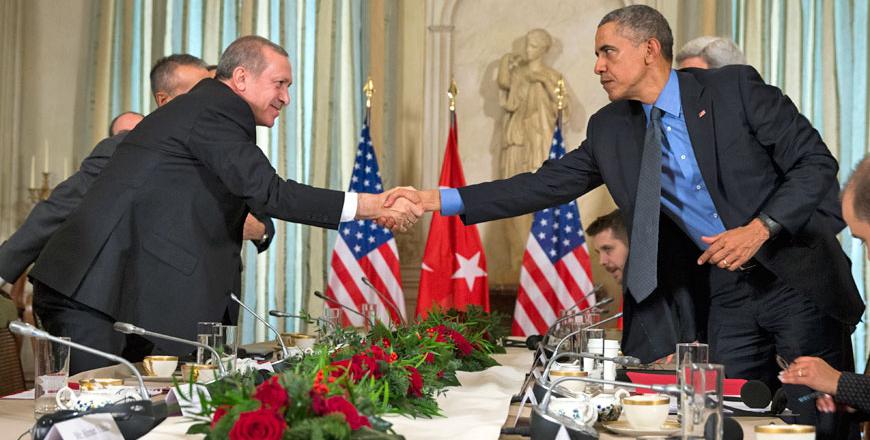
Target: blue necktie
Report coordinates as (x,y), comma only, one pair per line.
(641,278)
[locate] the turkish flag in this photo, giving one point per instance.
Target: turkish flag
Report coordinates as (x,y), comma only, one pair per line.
(454,266)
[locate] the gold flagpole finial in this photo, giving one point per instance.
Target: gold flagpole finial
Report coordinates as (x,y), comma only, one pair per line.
(369,90)
(451,93)
(560,94)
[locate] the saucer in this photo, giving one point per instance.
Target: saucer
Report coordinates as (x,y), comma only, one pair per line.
(622,427)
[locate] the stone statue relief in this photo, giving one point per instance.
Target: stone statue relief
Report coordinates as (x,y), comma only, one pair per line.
(530,104)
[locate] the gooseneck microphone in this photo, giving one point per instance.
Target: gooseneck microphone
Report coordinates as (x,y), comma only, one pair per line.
(328,299)
(30,331)
(130,329)
(280,314)
(594,291)
(575,332)
(255,315)
(384,299)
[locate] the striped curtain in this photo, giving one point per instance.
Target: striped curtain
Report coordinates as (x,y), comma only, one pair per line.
(313,140)
(816,51)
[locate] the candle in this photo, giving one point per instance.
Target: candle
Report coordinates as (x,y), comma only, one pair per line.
(46,156)
(33,171)
(65,168)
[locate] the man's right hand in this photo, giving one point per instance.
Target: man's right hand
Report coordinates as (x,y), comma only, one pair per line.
(400,214)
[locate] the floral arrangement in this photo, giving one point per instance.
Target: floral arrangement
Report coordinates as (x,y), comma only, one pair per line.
(342,388)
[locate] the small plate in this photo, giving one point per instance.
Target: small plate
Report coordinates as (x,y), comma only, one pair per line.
(623,428)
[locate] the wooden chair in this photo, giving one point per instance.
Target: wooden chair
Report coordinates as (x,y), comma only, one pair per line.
(11,373)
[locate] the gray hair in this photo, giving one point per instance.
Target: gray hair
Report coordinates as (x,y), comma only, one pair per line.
(246,52)
(642,23)
(715,51)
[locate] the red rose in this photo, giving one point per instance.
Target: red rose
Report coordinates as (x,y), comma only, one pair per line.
(262,424)
(415,385)
(272,394)
(218,414)
(459,342)
(430,358)
(339,405)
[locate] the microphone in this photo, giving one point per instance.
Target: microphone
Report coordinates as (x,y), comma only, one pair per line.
(755,394)
(281,314)
(597,288)
(349,309)
(30,331)
(575,332)
(130,329)
(255,315)
(628,361)
(671,389)
(532,341)
(384,299)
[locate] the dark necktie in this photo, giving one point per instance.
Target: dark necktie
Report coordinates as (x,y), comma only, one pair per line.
(643,255)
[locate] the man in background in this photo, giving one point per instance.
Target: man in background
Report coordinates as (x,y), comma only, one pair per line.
(608,236)
(124,122)
(709,52)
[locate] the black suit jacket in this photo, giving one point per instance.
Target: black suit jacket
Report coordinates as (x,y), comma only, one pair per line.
(156,239)
(756,153)
(22,248)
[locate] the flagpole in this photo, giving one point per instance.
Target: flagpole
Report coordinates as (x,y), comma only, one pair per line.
(560,100)
(451,94)
(369,90)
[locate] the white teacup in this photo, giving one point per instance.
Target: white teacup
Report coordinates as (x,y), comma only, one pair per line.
(67,398)
(646,411)
(577,409)
(160,366)
(576,387)
(303,341)
(785,432)
(200,372)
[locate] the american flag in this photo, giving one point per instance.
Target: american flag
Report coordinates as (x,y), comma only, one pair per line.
(364,249)
(555,274)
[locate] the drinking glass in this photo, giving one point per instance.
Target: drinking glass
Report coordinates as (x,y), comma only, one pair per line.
(701,401)
(207,333)
(51,372)
(370,316)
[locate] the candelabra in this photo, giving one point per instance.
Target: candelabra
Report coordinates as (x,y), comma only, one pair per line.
(40,193)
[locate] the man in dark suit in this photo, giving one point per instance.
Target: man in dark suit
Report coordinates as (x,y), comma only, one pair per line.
(171,76)
(722,207)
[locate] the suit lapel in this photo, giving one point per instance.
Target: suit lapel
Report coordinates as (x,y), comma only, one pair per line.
(632,147)
(698,113)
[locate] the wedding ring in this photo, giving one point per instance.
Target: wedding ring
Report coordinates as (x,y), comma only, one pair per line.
(725,262)
(800,372)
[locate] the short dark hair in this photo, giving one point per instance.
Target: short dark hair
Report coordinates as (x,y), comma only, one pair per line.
(164,68)
(859,186)
(643,22)
(247,52)
(112,131)
(612,221)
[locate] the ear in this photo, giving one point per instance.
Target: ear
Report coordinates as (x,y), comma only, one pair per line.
(240,78)
(161,98)
(653,50)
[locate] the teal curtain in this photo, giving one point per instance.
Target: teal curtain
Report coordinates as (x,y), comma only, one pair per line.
(136,33)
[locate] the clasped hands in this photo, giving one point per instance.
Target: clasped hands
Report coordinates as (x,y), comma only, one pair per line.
(399,208)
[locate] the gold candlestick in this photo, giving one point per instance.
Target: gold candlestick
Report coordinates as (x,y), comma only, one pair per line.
(40,193)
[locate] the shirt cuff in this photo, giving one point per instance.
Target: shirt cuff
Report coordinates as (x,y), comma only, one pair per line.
(348,211)
(451,202)
(2,282)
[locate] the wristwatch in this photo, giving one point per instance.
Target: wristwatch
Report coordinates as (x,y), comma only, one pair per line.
(773,227)
(264,238)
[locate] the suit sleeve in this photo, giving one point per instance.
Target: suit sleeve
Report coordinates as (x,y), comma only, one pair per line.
(555,183)
(270,232)
(803,160)
(22,248)
(219,140)
(854,390)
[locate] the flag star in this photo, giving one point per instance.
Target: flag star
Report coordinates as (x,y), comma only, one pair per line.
(546,210)
(360,222)
(566,242)
(371,238)
(386,231)
(542,235)
(354,179)
(568,229)
(556,225)
(558,212)
(369,156)
(569,215)
(543,222)
(359,153)
(373,226)
(552,252)
(346,231)
(469,269)
(555,142)
(357,248)
(552,155)
(369,142)
(361,140)
(378,187)
(366,182)
(571,203)
(554,239)
(359,235)
(368,170)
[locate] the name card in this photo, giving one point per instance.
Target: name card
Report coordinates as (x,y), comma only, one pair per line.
(89,427)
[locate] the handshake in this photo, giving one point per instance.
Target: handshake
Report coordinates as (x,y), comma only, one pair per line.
(399,208)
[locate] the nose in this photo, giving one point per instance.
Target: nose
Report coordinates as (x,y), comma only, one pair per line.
(600,66)
(284,97)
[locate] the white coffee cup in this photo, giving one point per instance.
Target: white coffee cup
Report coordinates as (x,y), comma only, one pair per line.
(203,373)
(785,432)
(578,409)
(646,411)
(574,386)
(303,341)
(67,398)
(160,366)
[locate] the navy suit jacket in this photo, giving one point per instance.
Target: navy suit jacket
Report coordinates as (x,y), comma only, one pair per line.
(756,153)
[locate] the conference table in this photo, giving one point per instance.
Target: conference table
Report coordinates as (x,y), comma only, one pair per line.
(476,410)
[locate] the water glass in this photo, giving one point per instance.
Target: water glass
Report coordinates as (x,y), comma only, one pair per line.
(331,318)
(207,333)
(228,345)
(370,315)
(51,372)
(701,401)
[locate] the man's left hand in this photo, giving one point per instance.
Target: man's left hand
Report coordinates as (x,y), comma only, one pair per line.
(254,229)
(733,248)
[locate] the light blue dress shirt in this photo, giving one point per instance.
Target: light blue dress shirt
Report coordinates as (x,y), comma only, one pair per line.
(684,193)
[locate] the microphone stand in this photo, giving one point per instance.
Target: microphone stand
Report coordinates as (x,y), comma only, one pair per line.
(575,332)
(127,329)
(333,301)
(29,331)
(594,291)
(384,299)
(255,315)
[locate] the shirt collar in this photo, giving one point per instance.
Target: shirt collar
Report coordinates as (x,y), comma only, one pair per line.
(669,99)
